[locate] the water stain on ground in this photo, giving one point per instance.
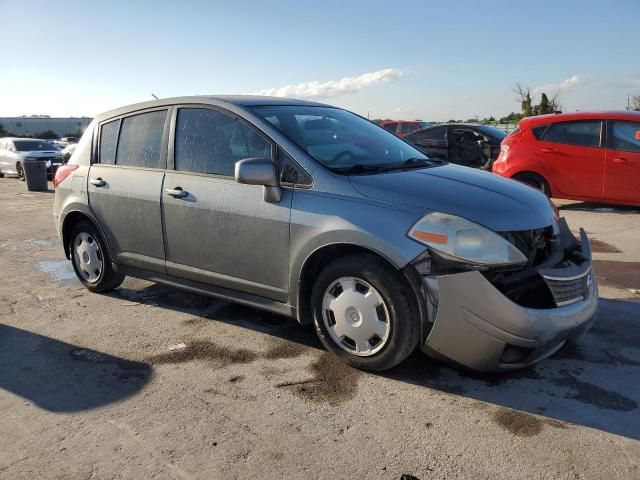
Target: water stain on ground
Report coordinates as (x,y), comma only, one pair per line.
(60,270)
(204,350)
(284,349)
(333,382)
(523,424)
(499,379)
(598,246)
(6,307)
(616,274)
(593,395)
(574,351)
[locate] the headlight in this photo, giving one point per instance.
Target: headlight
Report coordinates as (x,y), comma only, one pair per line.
(465,241)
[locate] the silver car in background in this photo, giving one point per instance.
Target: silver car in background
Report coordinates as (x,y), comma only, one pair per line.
(14,151)
(313,212)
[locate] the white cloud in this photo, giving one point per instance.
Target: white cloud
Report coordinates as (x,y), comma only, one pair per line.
(571,82)
(333,88)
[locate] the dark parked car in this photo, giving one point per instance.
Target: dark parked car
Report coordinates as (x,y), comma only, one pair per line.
(465,144)
(402,128)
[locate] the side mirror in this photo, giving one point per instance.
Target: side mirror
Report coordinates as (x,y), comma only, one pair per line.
(260,171)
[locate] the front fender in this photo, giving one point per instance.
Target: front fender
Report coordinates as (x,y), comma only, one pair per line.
(320,220)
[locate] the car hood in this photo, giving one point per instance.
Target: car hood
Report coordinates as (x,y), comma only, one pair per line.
(482,197)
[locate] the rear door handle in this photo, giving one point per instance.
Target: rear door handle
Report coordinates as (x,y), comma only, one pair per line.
(98,182)
(177,192)
(548,150)
(621,161)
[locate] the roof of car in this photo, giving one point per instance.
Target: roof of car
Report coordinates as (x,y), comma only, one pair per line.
(222,100)
(587,115)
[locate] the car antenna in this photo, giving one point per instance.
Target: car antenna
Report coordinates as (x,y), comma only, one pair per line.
(154,96)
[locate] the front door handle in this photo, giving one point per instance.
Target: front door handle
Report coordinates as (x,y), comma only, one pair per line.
(548,150)
(177,192)
(98,182)
(621,161)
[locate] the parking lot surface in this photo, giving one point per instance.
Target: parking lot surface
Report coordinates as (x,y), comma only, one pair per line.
(99,386)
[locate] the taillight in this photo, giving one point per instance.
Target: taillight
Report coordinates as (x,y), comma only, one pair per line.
(63,172)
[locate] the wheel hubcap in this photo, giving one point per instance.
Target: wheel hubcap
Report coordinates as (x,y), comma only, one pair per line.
(88,257)
(356,316)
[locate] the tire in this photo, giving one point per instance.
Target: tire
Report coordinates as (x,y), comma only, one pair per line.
(20,171)
(90,259)
(368,293)
(535,181)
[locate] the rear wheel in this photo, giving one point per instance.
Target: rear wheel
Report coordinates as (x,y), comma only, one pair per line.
(90,259)
(363,312)
(20,171)
(534,180)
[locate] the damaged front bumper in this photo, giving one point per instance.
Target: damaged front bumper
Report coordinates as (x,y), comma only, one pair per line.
(476,325)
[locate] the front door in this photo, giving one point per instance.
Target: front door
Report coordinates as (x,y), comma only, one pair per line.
(573,154)
(125,186)
(622,176)
(218,231)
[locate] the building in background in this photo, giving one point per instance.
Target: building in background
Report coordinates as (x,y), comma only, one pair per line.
(33,126)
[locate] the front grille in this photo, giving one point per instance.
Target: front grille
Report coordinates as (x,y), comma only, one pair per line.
(557,272)
(571,290)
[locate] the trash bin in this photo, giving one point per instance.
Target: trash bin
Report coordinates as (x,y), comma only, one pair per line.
(35,172)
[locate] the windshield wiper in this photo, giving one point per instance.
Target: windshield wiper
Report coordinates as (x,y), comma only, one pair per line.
(362,168)
(422,161)
(417,163)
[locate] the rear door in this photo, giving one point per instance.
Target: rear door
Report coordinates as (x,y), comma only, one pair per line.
(622,173)
(391,127)
(125,186)
(432,141)
(218,231)
(574,157)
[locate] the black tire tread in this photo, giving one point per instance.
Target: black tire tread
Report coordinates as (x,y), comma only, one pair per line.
(400,300)
(110,279)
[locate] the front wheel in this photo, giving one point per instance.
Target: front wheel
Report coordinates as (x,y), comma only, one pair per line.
(91,260)
(363,312)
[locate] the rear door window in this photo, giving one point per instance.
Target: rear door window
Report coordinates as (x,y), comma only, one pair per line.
(434,134)
(582,133)
(539,131)
(108,139)
(625,136)
(209,141)
(407,128)
(140,141)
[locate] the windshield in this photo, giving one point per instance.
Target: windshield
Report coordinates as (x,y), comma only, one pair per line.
(33,145)
(340,140)
(492,132)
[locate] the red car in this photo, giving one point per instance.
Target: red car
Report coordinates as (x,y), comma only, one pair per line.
(402,127)
(591,156)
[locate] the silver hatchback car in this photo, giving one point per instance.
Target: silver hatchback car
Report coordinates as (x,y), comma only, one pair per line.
(313,212)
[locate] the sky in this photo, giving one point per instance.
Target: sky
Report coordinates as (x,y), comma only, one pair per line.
(430,60)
